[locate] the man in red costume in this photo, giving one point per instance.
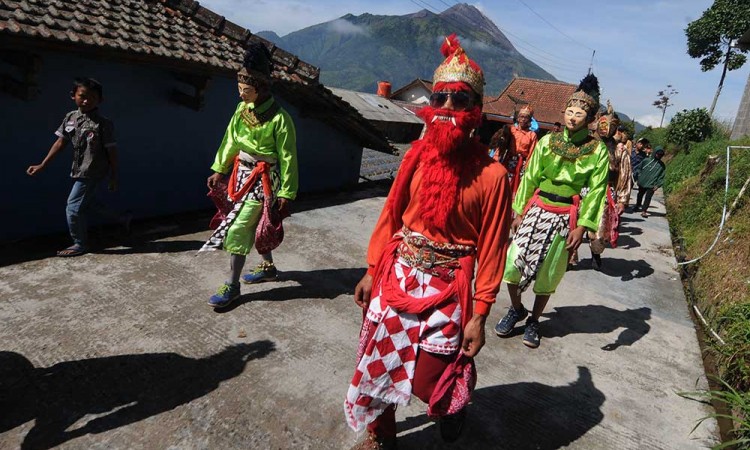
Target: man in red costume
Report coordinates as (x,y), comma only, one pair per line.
(519,146)
(448,211)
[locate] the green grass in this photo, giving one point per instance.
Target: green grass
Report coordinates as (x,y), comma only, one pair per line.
(721,280)
(739,402)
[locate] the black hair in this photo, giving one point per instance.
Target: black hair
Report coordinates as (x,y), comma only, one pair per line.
(557,124)
(643,141)
(88,83)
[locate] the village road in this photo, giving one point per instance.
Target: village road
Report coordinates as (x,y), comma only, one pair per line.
(119,350)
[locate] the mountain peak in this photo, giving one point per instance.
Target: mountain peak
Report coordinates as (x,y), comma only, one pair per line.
(468,18)
(402,48)
(421,14)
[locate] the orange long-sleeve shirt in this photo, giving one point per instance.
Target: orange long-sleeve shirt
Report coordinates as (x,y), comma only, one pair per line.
(482,220)
(524,141)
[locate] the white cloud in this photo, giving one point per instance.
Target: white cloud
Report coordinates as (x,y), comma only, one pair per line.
(473,45)
(651,120)
(342,26)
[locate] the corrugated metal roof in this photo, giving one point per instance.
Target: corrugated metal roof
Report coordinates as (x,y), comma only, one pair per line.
(376,108)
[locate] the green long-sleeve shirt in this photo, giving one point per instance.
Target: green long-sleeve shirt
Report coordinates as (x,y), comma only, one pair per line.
(564,176)
(276,139)
(651,173)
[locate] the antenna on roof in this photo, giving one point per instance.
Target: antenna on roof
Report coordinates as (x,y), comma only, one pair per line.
(591,64)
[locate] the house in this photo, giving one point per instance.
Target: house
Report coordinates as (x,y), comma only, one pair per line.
(168,70)
(742,121)
(396,123)
(547,98)
(417,91)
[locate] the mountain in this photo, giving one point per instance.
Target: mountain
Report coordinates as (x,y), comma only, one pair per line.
(355,52)
(271,36)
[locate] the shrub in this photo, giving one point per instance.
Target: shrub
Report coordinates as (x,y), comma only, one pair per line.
(656,136)
(688,126)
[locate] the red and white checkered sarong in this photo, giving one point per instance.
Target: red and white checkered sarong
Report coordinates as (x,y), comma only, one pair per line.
(387,354)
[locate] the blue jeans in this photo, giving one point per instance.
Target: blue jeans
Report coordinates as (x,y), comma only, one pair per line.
(83,201)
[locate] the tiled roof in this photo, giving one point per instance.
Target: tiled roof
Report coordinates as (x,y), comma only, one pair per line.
(173,33)
(179,30)
(548,98)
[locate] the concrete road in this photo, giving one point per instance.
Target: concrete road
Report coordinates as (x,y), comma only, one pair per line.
(119,350)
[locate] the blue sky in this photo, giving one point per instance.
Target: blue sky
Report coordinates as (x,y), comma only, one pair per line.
(640,44)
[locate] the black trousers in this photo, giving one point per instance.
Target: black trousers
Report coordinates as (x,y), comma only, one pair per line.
(644,196)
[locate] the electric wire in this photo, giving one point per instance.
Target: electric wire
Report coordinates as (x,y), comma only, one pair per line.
(723,212)
(557,64)
(554,27)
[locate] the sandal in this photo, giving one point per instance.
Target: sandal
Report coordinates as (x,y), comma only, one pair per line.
(73,250)
(644,214)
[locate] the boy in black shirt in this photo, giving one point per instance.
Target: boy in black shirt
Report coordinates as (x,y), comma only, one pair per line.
(94,156)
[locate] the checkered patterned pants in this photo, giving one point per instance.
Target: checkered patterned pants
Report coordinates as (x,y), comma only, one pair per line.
(389,345)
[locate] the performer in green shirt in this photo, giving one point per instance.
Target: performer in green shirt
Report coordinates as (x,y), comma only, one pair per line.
(551,216)
(260,144)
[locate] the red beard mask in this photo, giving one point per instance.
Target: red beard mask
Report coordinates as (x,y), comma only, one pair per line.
(445,153)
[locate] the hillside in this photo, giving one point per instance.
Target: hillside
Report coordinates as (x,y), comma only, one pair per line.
(355,52)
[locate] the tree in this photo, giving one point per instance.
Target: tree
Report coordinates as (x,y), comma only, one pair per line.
(689,126)
(662,101)
(711,37)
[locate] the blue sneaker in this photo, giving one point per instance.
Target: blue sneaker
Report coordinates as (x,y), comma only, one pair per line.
(531,337)
(226,294)
(264,271)
(507,323)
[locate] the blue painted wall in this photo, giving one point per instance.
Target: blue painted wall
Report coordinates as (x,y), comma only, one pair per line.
(165,149)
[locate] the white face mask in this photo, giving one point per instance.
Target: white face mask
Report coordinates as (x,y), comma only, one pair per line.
(575,118)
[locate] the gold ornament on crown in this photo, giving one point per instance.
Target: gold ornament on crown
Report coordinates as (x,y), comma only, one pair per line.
(457,68)
(583,100)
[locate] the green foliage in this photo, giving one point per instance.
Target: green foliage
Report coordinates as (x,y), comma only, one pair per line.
(721,280)
(733,359)
(656,136)
(721,129)
(736,401)
(686,165)
(710,36)
(687,126)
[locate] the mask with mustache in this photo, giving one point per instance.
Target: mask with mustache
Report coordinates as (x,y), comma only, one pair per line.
(445,152)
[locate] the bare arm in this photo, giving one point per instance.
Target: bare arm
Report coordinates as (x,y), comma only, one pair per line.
(53,151)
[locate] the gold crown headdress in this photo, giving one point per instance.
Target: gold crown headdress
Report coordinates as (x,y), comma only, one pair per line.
(586,96)
(255,64)
(457,67)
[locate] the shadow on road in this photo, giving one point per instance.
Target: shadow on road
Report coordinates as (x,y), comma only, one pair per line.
(324,283)
(154,247)
(519,416)
(145,231)
(115,390)
(631,231)
(626,269)
(597,319)
(626,242)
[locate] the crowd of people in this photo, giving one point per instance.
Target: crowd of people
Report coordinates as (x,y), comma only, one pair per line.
(460,219)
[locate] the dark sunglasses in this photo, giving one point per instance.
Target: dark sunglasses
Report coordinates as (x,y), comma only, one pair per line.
(459,99)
